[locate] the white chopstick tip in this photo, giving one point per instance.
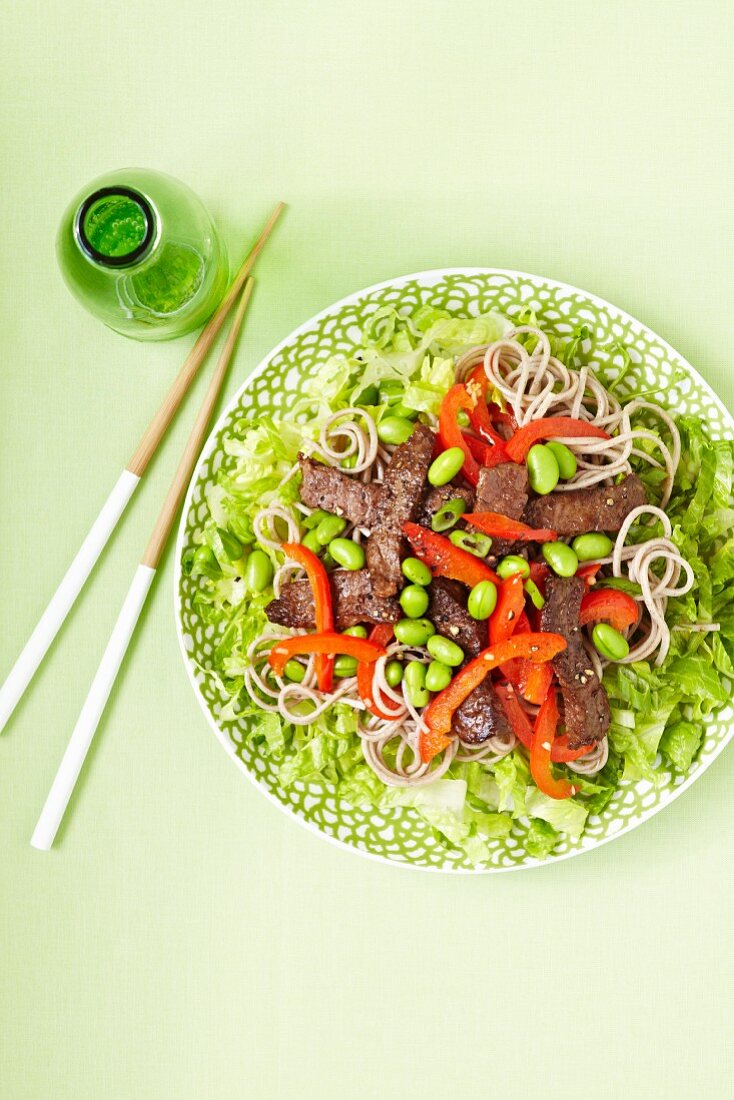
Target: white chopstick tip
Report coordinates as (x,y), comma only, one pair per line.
(41,842)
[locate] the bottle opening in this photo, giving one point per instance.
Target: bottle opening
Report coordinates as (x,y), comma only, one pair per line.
(115,226)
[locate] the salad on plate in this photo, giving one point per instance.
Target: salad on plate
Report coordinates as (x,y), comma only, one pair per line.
(466,575)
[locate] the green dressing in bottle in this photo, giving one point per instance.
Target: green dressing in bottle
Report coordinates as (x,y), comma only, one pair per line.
(140,251)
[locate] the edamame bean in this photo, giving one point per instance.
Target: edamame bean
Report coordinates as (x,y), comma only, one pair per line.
(566,459)
(394,429)
(347,553)
(543,472)
(414,684)
(315,518)
(474,542)
(512,564)
(294,671)
(230,544)
(482,600)
(609,642)
(345,666)
(414,601)
(416,571)
(414,631)
(329,528)
(592,547)
(560,558)
(356,631)
(311,542)
(443,649)
(258,571)
(205,561)
(536,596)
(438,676)
(446,466)
(393,673)
(402,410)
(448,514)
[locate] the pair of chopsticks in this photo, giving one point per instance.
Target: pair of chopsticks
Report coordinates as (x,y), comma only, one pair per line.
(73,581)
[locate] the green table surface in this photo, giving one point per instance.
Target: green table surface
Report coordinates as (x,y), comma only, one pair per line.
(184,939)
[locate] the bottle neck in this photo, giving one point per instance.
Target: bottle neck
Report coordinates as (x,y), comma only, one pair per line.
(115,227)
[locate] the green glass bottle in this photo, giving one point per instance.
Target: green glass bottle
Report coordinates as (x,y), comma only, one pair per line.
(140,251)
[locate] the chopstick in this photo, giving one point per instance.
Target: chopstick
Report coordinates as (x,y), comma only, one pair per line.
(63,599)
(81,738)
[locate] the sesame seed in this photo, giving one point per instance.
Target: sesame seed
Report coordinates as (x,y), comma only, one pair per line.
(489,656)
(589,671)
(546,746)
(453,630)
(573,789)
(583,679)
(510,616)
(610,501)
(534,648)
(280,649)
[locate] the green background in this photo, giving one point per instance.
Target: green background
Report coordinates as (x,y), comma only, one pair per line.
(184,939)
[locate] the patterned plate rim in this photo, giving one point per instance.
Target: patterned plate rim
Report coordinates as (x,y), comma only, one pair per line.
(428,278)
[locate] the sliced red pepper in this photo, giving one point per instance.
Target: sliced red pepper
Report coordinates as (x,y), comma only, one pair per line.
(479,416)
(439,713)
(323,606)
(502,527)
(484,454)
(328,642)
(553,427)
(457,400)
(446,560)
(380,635)
(609,606)
(517,671)
(523,730)
(541,751)
(478,377)
(535,682)
(523,624)
(510,606)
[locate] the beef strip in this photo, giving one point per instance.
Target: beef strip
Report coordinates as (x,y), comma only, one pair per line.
(502,489)
(585,704)
(480,715)
(447,611)
(436,498)
(353,599)
(334,491)
(601,508)
(398,501)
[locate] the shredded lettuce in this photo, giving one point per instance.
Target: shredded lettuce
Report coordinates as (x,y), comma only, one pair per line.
(658,714)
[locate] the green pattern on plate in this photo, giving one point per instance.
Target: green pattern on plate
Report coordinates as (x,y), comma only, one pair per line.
(399,835)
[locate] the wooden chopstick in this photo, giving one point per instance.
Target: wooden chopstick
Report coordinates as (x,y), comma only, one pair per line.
(73,581)
(177,491)
(99,691)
